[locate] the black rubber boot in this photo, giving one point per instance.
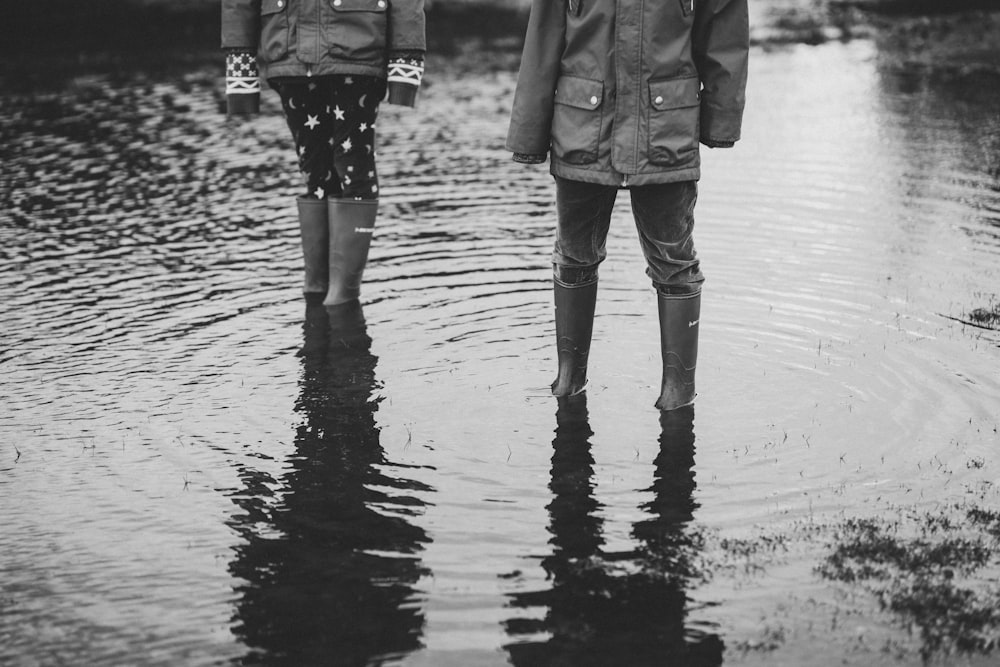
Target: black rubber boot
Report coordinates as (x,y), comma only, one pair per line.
(679,316)
(314,229)
(574,327)
(352,223)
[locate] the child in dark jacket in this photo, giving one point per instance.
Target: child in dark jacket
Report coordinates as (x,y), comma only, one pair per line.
(331,62)
(620,93)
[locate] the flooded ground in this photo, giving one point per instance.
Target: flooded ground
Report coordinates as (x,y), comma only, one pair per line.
(197,468)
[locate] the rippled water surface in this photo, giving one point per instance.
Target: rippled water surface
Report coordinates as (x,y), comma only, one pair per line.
(197,468)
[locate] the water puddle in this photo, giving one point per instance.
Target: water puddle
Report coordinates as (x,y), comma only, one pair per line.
(197,467)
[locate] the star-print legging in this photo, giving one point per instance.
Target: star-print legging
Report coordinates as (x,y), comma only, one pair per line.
(332,119)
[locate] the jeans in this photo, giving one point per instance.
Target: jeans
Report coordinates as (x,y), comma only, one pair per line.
(664,218)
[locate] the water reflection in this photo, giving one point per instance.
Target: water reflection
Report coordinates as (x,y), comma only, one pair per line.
(959,178)
(331,567)
(604,606)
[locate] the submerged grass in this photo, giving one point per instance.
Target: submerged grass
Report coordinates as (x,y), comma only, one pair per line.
(986,317)
(932,575)
(934,572)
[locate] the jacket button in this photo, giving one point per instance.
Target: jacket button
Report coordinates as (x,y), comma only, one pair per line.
(381,4)
(281,3)
(593,99)
(336,3)
(658,100)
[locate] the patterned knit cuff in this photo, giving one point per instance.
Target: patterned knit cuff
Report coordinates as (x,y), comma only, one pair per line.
(406,67)
(242,83)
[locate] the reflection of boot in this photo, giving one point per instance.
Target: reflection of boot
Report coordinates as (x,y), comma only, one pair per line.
(348,329)
(677,429)
(315,327)
(574,327)
(352,223)
(572,419)
(673,505)
(679,315)
(674,477)
(315,232)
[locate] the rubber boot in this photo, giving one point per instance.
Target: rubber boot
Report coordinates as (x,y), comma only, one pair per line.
(679,316)
(352,223)
(314,229)
(574,328)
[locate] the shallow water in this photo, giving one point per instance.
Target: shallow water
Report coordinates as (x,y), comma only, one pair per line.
(196,468)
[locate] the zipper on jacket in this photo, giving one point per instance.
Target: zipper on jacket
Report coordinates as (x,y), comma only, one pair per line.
(624,180)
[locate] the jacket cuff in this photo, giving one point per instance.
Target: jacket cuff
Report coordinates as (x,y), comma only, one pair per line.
(530,158)
(403,94)
(720,125)
(242,83)
(715,143)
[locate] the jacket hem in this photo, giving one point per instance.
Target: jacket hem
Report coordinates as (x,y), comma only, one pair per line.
(599,177)
(300,69)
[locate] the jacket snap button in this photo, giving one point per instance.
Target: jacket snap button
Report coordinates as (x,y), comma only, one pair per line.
(336,3)
(593,99)
(659,99)
(381,3)
(280,4)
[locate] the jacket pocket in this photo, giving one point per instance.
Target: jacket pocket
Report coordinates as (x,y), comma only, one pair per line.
(576,119)
(674,109)
(359,30)
(273,30)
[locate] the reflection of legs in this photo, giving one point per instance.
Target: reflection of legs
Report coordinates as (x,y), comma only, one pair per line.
(584,212)
(666,538)
(664,216)
(353,101)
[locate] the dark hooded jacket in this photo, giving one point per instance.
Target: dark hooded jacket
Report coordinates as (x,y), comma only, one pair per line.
(622,91)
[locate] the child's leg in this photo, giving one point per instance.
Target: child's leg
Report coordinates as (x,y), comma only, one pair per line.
(353,104)
(584,216)
(664,217)
(311,127)
(311,123)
